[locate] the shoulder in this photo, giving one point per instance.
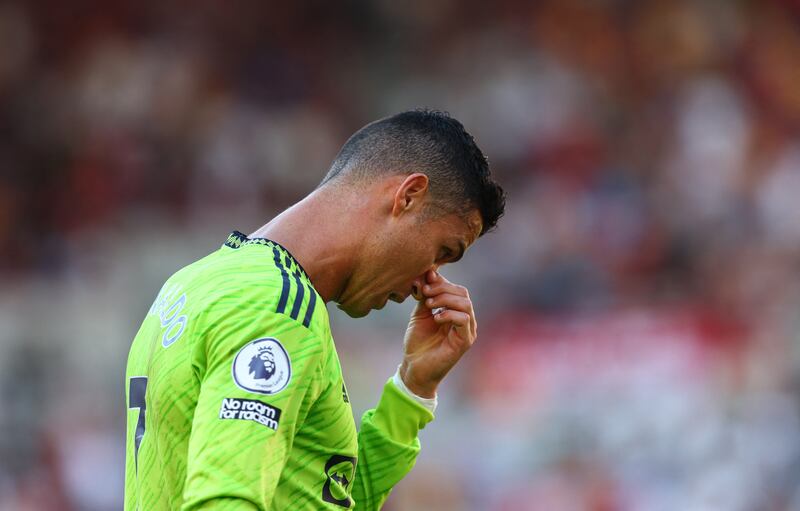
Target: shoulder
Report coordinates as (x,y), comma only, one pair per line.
(227,281)
(236,292)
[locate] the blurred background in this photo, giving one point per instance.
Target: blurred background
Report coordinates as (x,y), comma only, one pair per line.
(638,306)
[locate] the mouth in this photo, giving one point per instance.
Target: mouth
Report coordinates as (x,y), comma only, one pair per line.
(393,296)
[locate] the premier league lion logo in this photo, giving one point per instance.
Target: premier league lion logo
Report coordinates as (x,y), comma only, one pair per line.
(262,365)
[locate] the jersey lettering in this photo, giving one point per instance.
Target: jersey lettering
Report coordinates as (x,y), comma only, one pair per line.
(167,306)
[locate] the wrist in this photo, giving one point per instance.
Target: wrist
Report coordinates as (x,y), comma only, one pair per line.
(429,403)
(420,389)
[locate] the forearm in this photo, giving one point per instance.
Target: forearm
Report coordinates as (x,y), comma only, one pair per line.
(388,446)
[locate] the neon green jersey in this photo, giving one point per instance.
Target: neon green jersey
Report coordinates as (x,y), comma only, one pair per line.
(236,398)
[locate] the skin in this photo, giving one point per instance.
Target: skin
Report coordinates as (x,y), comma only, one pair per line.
(375,242)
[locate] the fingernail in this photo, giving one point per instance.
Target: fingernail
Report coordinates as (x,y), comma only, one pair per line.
(429,301)
(426,288)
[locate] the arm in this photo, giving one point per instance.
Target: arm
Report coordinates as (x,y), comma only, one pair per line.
(387,443)
(387,446)
(241,438)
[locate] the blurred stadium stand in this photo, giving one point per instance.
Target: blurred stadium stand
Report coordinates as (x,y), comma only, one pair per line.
(639,341)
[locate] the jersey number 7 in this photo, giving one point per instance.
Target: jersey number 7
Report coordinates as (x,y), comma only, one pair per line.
(136,399)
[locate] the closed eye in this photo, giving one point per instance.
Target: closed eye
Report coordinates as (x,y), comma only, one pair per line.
(448,255)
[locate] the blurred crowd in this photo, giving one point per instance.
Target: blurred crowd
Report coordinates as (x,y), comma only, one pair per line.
(638,304)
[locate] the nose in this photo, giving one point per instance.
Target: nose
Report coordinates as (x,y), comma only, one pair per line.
(416,285)
(416,289)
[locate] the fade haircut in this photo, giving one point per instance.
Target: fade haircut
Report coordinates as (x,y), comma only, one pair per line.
(430,142)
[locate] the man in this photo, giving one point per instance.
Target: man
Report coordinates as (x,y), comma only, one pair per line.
(235,393)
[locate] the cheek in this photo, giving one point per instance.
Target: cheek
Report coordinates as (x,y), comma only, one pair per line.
(412,263)
(399,261)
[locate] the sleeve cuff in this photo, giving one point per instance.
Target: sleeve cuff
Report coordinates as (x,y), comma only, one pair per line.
(429,403)
(400,416)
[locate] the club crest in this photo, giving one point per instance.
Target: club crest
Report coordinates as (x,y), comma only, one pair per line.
(262,366)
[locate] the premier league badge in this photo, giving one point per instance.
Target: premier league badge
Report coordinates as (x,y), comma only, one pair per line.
(262,366)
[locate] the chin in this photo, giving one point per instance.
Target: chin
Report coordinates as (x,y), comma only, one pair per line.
(352,312)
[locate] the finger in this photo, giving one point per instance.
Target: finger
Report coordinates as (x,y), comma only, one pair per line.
(444,286)
(457,318)
(416,289)
(431,276)
(450,301)
(455,303)
(460,320)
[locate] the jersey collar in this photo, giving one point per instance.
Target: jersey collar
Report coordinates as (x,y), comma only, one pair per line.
(236,239)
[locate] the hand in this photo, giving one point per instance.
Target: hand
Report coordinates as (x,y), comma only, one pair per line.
(435,342)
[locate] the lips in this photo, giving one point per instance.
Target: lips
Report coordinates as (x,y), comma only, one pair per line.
(383,303)
(415,291)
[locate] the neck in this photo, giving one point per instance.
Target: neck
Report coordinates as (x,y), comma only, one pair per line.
(318,232)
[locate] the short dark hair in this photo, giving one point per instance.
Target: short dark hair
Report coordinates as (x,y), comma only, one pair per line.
(431,142)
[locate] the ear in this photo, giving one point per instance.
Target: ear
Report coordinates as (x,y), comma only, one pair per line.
(410,193)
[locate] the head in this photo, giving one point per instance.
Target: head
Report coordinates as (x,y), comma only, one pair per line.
(430,195)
